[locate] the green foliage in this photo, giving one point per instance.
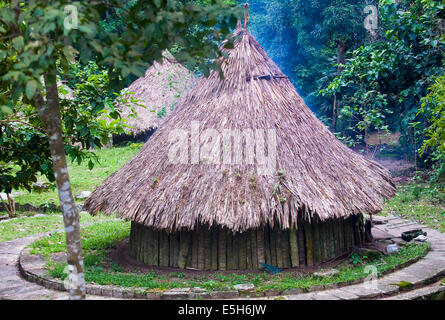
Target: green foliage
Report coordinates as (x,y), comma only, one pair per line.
(421,201)
(437,178)
(90,116)
(383,83)
(24,150)
(36,38)
(434,105)
(356,259)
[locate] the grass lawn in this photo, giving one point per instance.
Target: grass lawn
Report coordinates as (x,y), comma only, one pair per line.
(26,226)
(418,202)
(83,179)
(100,270)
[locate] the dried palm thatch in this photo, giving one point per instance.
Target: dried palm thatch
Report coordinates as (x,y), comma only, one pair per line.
(316,175)
(159,91)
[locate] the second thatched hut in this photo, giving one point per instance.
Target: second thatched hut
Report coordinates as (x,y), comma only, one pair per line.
(242,173)
(159,91)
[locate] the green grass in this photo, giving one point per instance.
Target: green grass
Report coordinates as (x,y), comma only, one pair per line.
(83,179)
(26,226)
(100,270)
(419,202)
(96,237)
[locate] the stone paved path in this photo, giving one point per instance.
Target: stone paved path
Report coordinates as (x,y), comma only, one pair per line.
(12,285)
(420,274)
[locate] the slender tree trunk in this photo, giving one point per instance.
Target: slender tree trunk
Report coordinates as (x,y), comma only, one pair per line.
(49,113)
(341,54)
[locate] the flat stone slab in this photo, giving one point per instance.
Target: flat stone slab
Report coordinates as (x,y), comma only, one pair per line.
(344,295)
(321,295)
(419,293)
(326,273)
(83,195)
(245,287)
(58,257)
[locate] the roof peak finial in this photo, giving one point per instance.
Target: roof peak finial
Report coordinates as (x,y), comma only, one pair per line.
(246,15)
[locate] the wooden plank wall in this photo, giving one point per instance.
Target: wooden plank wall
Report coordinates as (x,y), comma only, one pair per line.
(306,244)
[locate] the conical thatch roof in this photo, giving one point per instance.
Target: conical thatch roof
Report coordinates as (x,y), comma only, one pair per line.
(160,90)
(314,174)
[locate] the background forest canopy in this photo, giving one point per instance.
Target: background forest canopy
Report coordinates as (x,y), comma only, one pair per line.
(387,77)
(365,67)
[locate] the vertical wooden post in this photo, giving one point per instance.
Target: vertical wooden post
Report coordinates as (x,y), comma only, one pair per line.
(357,239)
(222,253)
(201,248)
(351,232)
(253,242)
(353,237)
(285,248)
(136,239)
(236,251)
(341,236)
(328,241)
(140,254)
(327,248)
(174,249)
(348,233)
(308,240)
(345,234)
(316,240)
(242,245)
(229,256)
(260,246)
(132,246)
(189,254)
(147,246)
(331,239)
(248,250)
(155,247)
(195,248)
(273,246)
(267,244)
(207,249)
(301,244)
(278,247)
(163,249)
(184,249)
(336,244)
(214,234)
(293,242)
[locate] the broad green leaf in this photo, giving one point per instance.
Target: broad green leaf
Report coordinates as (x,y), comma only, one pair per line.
(31,88)
(18,43)
(6,109)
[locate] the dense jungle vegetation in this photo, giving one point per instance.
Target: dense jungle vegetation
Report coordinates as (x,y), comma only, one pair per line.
(365,67)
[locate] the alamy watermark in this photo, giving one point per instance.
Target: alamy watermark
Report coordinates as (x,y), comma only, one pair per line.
(71,21)
(371,281)
(371,22)
(226,146)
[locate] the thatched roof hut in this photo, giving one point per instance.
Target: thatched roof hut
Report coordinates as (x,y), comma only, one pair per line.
(278,187)
(159,90)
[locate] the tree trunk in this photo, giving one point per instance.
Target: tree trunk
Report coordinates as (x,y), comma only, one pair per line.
(341,55)
(49,113)
(9,206)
